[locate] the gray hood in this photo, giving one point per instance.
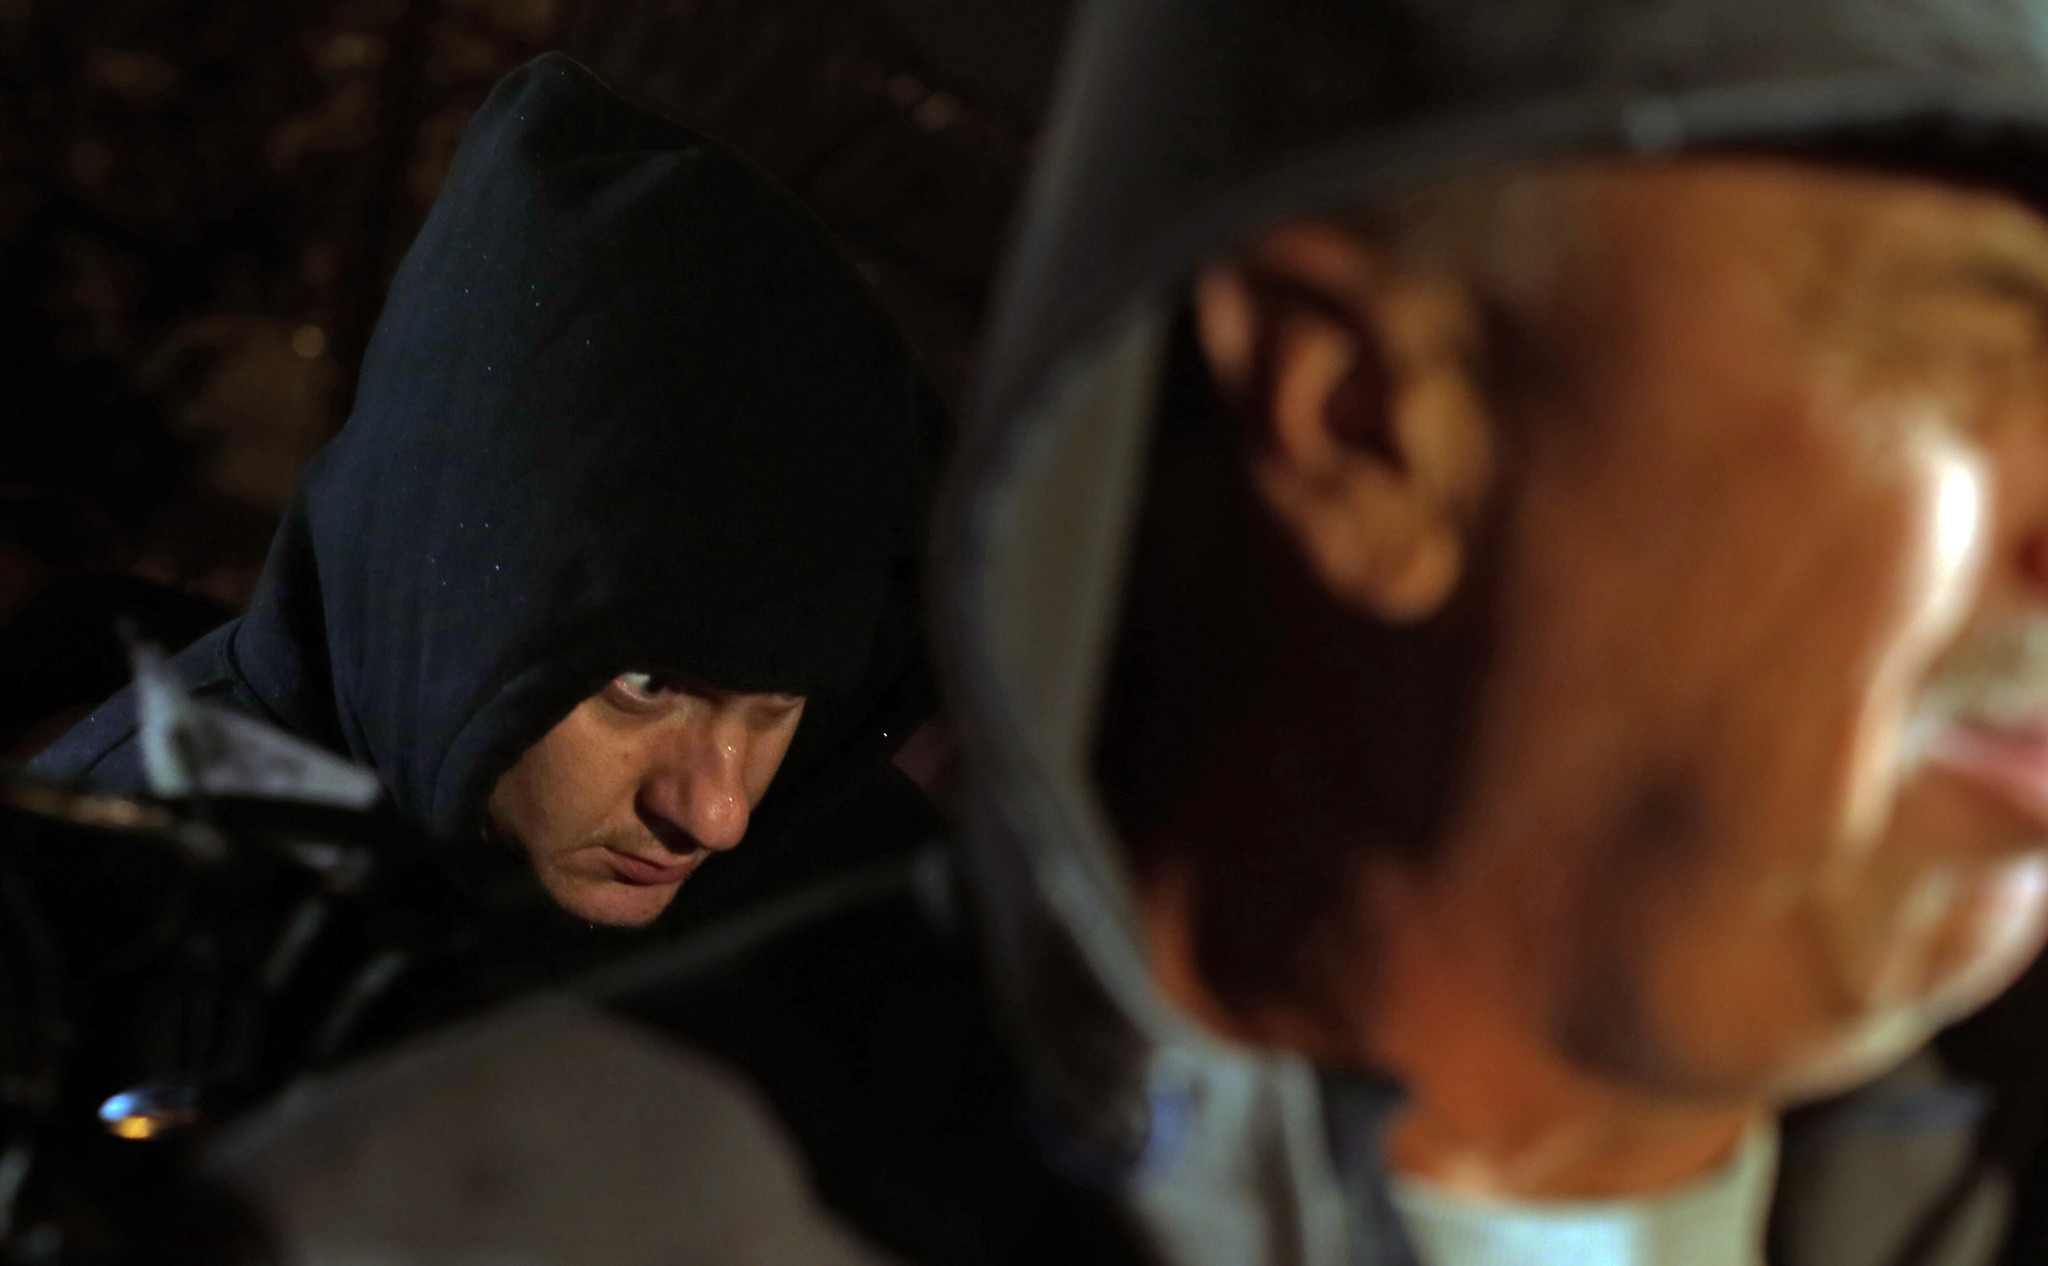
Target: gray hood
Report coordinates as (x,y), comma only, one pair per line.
(1180,127)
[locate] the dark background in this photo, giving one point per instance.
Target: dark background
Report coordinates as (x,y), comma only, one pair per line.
(201,202)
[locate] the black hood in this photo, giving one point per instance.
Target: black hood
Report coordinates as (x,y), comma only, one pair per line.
(627,407)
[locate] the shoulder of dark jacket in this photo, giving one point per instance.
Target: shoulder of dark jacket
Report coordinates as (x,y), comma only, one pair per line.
(105,750)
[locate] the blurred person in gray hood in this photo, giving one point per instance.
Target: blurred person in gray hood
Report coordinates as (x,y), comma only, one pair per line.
(1496,605)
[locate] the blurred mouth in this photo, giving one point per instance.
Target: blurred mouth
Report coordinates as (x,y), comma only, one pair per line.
(2010,761)
(643,873)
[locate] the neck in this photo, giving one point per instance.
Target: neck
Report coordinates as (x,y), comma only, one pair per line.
(1495,1108)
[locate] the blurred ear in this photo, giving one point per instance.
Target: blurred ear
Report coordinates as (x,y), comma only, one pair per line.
(1371,440)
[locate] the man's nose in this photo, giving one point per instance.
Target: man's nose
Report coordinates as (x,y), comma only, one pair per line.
(696,789)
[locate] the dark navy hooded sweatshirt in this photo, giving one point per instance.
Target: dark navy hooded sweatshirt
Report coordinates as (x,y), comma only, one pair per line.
(627,407)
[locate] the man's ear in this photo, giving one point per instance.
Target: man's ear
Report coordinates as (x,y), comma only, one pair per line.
(1372,443)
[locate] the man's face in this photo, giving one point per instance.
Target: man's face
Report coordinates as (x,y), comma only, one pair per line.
(622,800)
(1759,792)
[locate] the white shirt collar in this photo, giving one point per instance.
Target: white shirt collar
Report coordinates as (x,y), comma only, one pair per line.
(1717,1220)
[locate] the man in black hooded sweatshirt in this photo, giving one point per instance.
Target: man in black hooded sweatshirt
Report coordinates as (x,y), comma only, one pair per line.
(624,528)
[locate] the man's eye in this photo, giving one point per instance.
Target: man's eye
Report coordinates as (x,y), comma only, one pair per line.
(645,687)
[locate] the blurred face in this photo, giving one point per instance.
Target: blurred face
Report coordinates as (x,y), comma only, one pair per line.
(1759,794)
(621,801)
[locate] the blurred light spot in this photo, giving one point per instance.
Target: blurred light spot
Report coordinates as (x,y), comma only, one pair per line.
(1959,515)
(120,70)
(527,19)
(345,121)
(309,341)
(147,1111)
(90,160)
(349,50)
(904,90)
(133,75)
(937,112)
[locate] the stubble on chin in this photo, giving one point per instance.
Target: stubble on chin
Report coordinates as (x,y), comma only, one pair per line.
(603,899)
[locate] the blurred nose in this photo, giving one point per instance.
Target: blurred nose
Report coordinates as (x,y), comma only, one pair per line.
(694,790)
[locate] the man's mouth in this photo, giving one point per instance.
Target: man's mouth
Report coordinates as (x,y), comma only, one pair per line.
(2006,759)
(641,872)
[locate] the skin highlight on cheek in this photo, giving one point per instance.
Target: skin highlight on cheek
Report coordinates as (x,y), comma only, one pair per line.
(1946,521)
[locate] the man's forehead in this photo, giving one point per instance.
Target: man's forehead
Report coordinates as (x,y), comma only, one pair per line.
(1817,241)
(1839,213)
(1811,228)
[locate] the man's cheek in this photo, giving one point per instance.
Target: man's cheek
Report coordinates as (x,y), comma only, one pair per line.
(1914,588)
(1869,586)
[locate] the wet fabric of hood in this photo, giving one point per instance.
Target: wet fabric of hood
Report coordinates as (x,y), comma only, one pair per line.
(627,407)
(1181,127)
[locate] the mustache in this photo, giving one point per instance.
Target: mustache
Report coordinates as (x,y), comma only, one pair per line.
(1997,677)
(679,847)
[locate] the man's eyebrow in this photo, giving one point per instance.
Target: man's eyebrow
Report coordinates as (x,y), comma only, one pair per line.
(2003,275)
